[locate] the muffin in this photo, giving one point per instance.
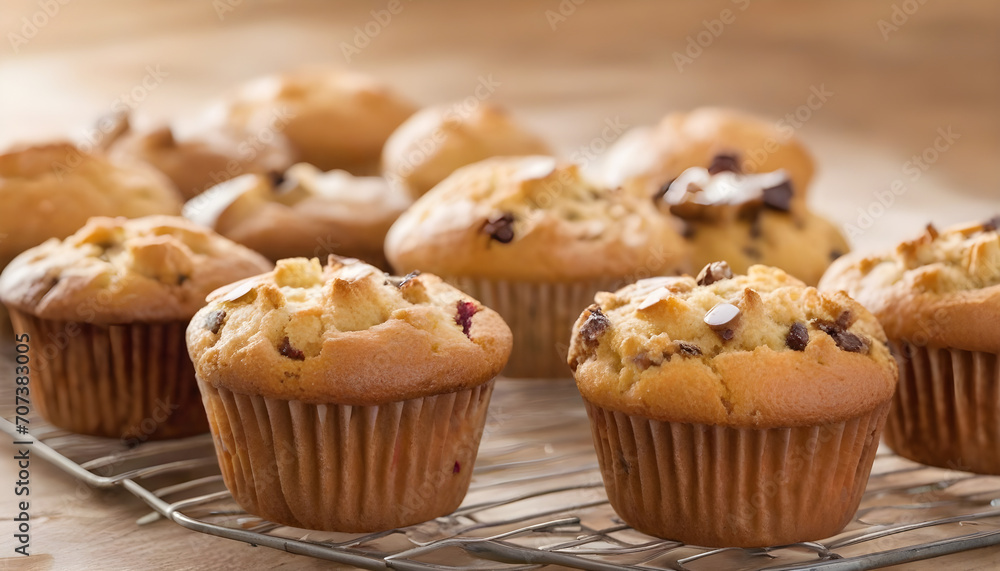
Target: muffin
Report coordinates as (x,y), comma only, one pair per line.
(713,138)
(49,191)
(344,399)
(436,141)
(303,212)
(106,311)
(534,240)
(938,297)
(334,119)
(199,161)
(750,219)
(733,410)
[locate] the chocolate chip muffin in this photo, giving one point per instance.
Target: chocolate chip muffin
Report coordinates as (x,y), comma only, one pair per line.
(750,219)
(733,410)
(198,161)
(334,119)
(303,212)
(938,297)
(646,158)
(343,399)
(533,239)
(436,141)
(106,310)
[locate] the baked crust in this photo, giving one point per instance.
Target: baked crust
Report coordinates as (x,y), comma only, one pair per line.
(532,219)
(49,191)
(307,213)
(646,158)
(940,289)
(436,141)
(334,119)
(118,271)
(647,350)
(345,334)
(197,162)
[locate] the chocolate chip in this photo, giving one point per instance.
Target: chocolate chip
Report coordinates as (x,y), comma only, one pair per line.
(595,326)
(724,162)
(456,468)
(723,319)
(500,228)
(642,361)
(834,254)
(755,230)
(798,337)
(846,319)
(406,279)
(752,252)
(466,309)
(277,178)
(689,230)
(844,339)
(714,272)
(779,197)
(932,232)
(214,320)
(687,349)
(992,224)
(287,350)
(181,278)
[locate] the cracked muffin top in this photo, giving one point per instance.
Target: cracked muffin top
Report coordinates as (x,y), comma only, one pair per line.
(49,191)
(758,350)
(941,288)
(647,158)
(347,334)
(118,270)
(436,141)
(304,212)
(532,219)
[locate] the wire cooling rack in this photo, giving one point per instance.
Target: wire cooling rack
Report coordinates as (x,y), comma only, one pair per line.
(536,499)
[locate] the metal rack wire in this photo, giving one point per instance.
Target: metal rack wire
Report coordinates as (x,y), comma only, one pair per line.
(536,499)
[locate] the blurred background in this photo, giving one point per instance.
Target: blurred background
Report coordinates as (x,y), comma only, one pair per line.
(896,77)
(881,91)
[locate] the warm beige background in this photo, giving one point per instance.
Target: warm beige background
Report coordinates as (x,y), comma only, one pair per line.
(940,69)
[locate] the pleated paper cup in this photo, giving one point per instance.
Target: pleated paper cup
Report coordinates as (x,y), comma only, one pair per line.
(541,317)
(946,411)
(720,486)
(134,382)
(353,469)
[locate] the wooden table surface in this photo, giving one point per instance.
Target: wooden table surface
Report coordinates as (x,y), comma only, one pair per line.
(897,74)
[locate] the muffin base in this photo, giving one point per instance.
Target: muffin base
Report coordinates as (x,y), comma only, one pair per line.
(540,316)
(946,411)
(354,469)
(134,382)
(718,486)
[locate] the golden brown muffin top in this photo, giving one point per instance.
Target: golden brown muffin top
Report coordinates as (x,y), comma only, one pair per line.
(49,191)
(755,350)
(532,219)
(941,288)
(714,138)
(346,333)
(438,140)
(118,270)
(304,211)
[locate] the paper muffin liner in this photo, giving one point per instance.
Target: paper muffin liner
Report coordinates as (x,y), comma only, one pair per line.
(540,316)
(134,382)
(347,468)
(719,486)
(946,411)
